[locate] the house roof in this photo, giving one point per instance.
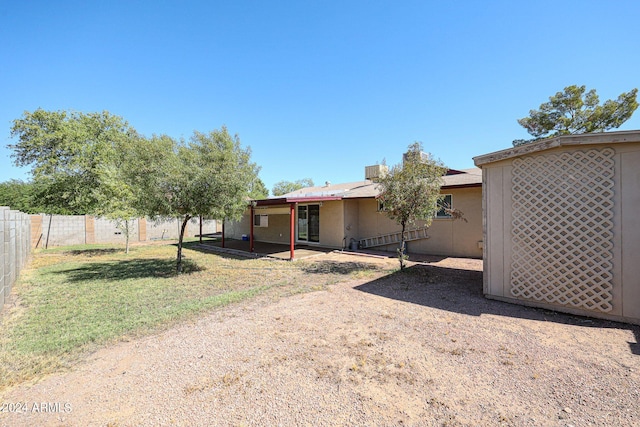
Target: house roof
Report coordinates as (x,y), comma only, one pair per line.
(327,189)
(463,178)
(559,141)
(365,189)
(287,200)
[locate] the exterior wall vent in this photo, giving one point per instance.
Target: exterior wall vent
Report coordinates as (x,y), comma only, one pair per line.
(374,172)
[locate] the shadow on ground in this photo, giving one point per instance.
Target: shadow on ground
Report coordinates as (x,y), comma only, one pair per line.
(94,252)
(260,249)
(338,267)
(461,291)
(204,248)
(128,269)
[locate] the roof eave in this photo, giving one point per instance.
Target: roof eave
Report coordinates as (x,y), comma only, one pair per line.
(559,141)
(449,187)
(289,200)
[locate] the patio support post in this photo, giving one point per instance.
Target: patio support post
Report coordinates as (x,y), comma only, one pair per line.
(223,233)
(251,230)
(292,229)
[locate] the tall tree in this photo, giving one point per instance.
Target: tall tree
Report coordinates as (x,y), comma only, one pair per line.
(67,152)
(573,111)
(411,191)
(284,187)
(209,175)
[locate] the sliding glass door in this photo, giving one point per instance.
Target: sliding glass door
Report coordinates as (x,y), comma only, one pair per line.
(309,223)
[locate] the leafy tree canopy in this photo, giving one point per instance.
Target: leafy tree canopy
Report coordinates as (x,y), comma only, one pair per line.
(258,190)
(67,152)
(97,164)
(209,175)
(19,195)
(573,111)
(284,187)
(411,191)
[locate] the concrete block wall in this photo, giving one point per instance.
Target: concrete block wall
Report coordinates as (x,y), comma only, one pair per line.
(106,231)
(63,230)
(164,229)
(59,230)
(15,236)
(170,229)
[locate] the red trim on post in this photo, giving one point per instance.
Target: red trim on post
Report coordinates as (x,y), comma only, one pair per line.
(292,230)
(251,231)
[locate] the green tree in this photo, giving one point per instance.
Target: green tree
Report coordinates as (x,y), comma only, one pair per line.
(573,111)
(284,187)
(18,195)
(210,175)
(117,199)
(258,190)
(411,191)
(77,162)
(67,153)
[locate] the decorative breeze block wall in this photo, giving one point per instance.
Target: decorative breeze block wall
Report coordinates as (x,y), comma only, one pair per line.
(563,228)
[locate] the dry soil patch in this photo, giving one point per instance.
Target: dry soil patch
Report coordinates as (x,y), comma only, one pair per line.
(416,348)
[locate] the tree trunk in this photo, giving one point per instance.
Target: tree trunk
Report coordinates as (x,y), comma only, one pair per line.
(180,238)
(401,254)
(126,236)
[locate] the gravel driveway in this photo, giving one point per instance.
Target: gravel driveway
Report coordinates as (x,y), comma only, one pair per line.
(418,348)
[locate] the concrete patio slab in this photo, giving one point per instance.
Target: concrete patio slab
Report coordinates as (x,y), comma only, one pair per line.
(262,249)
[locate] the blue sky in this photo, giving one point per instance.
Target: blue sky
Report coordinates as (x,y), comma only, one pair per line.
(317,89)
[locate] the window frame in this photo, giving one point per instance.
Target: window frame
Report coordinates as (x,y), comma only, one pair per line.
(440,213)
(262,220)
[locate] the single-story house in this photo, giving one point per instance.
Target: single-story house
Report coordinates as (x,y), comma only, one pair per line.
(348,216)
(562,224)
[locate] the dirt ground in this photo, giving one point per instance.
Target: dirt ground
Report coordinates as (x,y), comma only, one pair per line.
(420,348)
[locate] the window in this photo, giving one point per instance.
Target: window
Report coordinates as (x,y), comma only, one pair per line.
(446,202)
(260,220)
(381,207)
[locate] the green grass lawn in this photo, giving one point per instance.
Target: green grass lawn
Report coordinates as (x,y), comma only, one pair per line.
(71,301)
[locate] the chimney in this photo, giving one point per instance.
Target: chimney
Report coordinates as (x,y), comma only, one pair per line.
(423,156)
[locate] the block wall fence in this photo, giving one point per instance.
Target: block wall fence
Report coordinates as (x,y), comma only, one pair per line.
(15,236)
(62,230)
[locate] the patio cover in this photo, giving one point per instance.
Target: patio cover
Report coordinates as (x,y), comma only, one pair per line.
(291,203)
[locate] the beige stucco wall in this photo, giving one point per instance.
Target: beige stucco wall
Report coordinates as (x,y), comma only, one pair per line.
(351,221)
(332,227)
(456,237)
(447,237)
(277,230)
(372,222)
(625,268)
(235,229)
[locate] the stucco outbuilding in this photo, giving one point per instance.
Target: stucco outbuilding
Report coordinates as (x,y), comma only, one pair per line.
(561,224)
